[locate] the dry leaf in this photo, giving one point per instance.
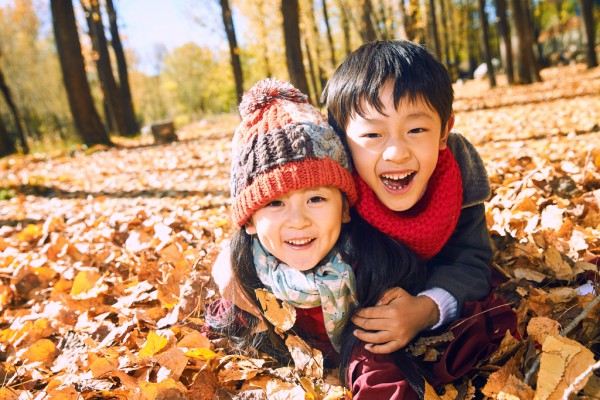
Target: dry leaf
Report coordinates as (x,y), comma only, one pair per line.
(540,327)
(308,361)
(279,313)
(561,362)
(154,344)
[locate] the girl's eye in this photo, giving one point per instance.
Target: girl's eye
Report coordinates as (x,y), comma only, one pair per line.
(275,203)
(371,135)
(316,199)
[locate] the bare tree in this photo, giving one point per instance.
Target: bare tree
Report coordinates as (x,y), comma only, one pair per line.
(367,31)
(234,51)
(293,48)
(587,12)
(329,35)
(85,117)
(435,36)
(525,59)
(7,145)
(505,41)
(131,123)
(15,114)
(112,97)
(486,43)
(345,21)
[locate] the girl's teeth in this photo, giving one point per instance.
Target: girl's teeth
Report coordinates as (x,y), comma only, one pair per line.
(299,242)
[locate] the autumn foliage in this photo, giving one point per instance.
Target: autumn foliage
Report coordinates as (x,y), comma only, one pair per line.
(105,261)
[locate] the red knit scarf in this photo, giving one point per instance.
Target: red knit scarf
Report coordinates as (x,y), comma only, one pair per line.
(427,226)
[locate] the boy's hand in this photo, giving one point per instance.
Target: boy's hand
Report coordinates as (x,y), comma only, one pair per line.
(229,287)
(396,319)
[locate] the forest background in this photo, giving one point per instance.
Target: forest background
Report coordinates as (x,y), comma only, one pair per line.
(191,82)
(107,234)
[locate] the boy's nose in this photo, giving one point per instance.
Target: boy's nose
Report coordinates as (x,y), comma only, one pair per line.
(395,153)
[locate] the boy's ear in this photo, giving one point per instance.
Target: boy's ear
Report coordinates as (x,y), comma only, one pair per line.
(446,132)
(345,212)
(250,228)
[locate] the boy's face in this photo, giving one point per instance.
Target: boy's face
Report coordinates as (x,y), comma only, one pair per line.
(395,152)
(301,227)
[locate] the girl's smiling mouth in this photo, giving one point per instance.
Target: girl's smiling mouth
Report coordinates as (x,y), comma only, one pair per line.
(397,181)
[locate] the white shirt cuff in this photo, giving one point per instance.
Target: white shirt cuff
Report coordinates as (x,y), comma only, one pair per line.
(446,303)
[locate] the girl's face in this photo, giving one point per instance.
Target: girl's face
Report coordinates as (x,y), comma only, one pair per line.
(395,152)
(301,227)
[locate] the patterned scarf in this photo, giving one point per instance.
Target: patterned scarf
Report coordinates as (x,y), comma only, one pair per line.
(330,285)
(427,226)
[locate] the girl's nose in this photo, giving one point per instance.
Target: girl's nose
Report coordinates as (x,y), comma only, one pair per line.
(297,219)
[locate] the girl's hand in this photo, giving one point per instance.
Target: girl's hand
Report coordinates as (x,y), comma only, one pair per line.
(394,321)
(229,287)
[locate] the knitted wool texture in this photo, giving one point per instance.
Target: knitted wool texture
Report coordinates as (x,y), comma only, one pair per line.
(428,225)
(283,144)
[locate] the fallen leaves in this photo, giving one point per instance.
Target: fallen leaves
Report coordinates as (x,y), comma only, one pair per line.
(105,261)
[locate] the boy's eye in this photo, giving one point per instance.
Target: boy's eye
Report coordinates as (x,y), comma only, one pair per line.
(316,199)
(275,203)
(417,130)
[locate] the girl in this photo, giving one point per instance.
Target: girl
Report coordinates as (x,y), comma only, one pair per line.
(292,188)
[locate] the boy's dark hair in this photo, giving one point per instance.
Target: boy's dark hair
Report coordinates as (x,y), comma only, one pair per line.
(380,263)
(416,72)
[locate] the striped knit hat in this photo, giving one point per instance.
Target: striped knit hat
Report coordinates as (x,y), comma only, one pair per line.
(283,144)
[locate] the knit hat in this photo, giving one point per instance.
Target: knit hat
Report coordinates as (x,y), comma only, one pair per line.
(283,144)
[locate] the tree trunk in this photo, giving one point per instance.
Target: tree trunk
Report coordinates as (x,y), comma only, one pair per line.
(7,146)
(447,37)
(15,114)
(532,35)
(234,51)
(264,40)
(367,31)
(486,43)
(403,20)
(318,67)
(85,117)
(523,59)
(293,48)
(311,71)
(435,36)
(131,124)
(506,45)
(587,12)
(329,35)
(109,86)
(345,22)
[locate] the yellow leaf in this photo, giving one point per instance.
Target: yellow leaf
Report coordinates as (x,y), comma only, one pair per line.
(167,389)
(154,344)
(31,232)
(201,354)
(8,394)
(87,285)
(44,351)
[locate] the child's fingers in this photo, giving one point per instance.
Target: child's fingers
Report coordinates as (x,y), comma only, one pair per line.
(376,337)
(371,324)
(391,295)
(385,348)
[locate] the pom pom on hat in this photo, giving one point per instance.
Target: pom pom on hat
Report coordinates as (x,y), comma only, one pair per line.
(267,90)
(283,144)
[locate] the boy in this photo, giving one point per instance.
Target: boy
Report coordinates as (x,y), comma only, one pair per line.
(391,101)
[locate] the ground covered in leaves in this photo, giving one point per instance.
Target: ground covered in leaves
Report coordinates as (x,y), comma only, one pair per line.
(105,258)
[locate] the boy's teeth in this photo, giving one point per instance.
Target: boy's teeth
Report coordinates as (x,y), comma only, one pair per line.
(397,181)
(299,242)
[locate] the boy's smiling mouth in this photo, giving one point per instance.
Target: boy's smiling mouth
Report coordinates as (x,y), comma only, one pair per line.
(397,181)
